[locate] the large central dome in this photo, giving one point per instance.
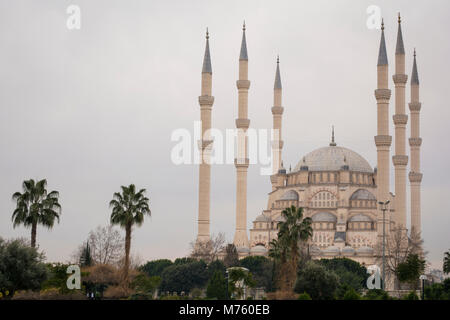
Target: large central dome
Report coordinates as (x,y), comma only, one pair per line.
(332,158)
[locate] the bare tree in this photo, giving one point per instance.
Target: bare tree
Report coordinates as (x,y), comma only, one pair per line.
(398,246)
(208,250)
(106,245)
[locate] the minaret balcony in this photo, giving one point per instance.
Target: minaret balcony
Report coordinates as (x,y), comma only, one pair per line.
(400,160)
(243,84)
(382,94)
(415,142)
(400,78)
(383,140)
(415,106)
(400,119)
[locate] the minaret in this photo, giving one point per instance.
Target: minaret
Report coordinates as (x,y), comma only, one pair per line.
(400,159)
(277,112)
(205,147)
(415,177)
(382,139)
(241,161)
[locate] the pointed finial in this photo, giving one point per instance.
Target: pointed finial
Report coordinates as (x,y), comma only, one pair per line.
(207,33)
(290,168)
(399,18)
(243,26)
(382,24)
(278,58)
(414,52)
(332,143)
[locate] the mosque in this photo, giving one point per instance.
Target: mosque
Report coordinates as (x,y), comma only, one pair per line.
(336,187)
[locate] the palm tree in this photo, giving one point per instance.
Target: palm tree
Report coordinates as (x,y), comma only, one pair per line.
(292,231)
(129,209)
(36,206)
(446,267)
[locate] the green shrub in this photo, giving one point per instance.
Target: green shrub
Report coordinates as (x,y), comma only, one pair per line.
(304,296)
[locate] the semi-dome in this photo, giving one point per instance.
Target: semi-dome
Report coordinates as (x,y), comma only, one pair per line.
(333,158)
(324,217)
(289,195)
(262,218)
(362,194)
(258,249)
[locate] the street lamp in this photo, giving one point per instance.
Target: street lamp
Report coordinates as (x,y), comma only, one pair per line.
(423,278)
(384,208)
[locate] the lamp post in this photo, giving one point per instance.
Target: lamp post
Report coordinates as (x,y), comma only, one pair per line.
(228,280)
(423,278)
(384,208)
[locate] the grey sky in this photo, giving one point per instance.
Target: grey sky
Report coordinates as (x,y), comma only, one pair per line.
(93,109)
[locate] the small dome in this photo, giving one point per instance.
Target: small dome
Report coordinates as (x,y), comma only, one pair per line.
(315,250)
(360,218)
(324,217)
(333,250)
(333,158)
(364,250)
(362,194)
(243,250)
(347,250)
(262,218)
(289,195)
(258,249)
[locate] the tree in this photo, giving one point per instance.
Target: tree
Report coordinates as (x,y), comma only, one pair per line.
(208,250)
(216,265)
(155,267)
(217,287)
(352,275)
(36,206)
(293,231)
(261,269)
(184,277)
(351,294)
(128,210)
(231,258)
(239,279)
(410,270)
(145,285)
(446,266)
(106,245)
(320,283)
(376,294)
(398,246)
(304,296)
(86,257)
(21,268)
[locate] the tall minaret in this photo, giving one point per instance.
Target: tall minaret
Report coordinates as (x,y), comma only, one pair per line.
(241,161)
(415,177)
(205,147)
(400,159)
(277,112)
(382,139)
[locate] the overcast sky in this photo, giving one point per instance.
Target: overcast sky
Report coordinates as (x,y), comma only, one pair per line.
(93,109)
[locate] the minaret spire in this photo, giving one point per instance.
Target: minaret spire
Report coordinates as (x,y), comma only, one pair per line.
(332,143)
(241,161)
(400,159)
(277,113)
(205,144)
(415,142)
(382,55)
(243,55)
(207,57)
